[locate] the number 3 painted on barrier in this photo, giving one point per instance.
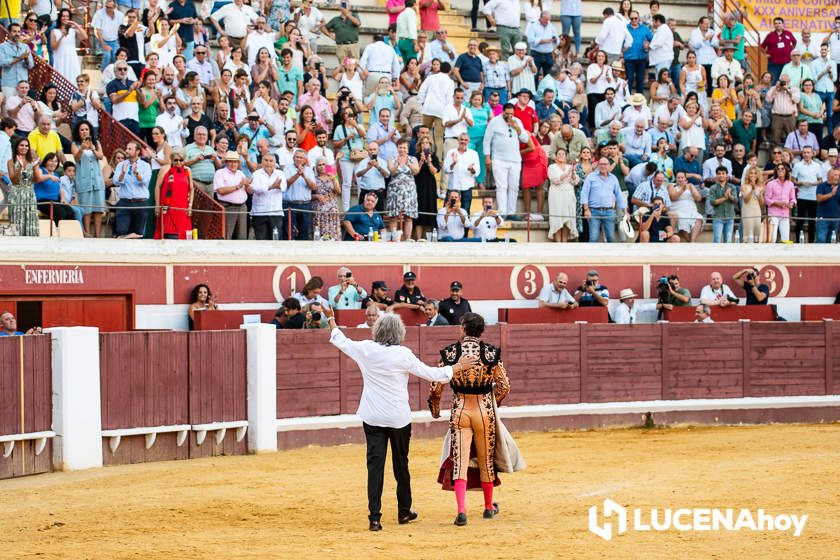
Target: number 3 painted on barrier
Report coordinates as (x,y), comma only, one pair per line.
(533,278)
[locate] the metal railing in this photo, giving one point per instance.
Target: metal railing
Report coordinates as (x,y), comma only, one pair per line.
(752,37)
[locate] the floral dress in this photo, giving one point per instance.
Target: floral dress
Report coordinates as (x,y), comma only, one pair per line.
(402,192)
(581,174)
(278,14)
(23,208)
(326,217)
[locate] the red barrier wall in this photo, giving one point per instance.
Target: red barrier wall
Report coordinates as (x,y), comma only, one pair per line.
(532,315)
(167,378)
(26,388)
(724,314)
(571,363)
(810,312)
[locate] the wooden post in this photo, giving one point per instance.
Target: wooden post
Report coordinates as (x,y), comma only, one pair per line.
(828,325)
(584,362)
(746,378)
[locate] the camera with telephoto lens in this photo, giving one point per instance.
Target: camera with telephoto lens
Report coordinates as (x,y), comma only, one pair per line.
(751,276)
(316,317)
(663,290)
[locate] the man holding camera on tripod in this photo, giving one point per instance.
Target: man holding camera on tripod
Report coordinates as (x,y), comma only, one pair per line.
(757,292)
(670,294)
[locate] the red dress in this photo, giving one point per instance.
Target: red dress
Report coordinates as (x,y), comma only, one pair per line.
(534,165)
(175,194)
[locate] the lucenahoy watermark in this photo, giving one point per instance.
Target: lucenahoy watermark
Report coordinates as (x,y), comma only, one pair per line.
(688,519)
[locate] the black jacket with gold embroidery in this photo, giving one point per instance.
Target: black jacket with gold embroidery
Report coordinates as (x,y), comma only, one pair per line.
(489,375)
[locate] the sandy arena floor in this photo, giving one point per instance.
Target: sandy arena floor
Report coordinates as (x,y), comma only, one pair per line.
(310,503)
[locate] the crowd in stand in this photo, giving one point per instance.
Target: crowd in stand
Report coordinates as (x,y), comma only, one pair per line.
(643,130)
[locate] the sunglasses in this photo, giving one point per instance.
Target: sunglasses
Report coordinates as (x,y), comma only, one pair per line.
(122,69)
(176,160)
(32,19)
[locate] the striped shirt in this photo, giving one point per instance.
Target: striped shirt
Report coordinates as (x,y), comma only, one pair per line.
(784,101)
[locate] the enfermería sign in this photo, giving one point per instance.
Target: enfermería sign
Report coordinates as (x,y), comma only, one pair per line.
(51,276)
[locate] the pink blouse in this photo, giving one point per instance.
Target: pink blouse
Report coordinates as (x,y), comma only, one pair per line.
(777,191)
(392,18)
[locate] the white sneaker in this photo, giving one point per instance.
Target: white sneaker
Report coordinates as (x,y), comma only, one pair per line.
(537,217)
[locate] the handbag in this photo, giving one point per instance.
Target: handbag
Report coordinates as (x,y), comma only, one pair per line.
(357,155)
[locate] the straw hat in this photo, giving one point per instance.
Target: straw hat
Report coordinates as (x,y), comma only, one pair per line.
(627,293)
(637,99)
(231,156)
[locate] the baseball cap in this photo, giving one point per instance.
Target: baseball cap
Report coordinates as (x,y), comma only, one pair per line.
(380,284)
(455,285)
(409,276)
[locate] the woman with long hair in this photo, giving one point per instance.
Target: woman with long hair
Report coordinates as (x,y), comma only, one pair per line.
(166,42)
(23,206)
(223,51)
(426,181)
(174,192)
(201,299)
(237,61)
(348,135)
(598,78)
(693,78)
(583,168)
(717,127)
(351,77)
(780,198)
(624,9)
(692,132)
(663,161)
(90,184)
(482,114)
(190,88)
(111,189)
(48,190)
(264,68)
(410,79)
(34,35)
(160,155)
(63,42)
(49,106)
(749,99)
(752,202)
(401,198)
(306,128)
(311,292)
(324,201)
(661,90)
(764,84)
(149,103)
(811,108)
(562,204)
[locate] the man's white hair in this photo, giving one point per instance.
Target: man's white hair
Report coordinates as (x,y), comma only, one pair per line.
(389,330)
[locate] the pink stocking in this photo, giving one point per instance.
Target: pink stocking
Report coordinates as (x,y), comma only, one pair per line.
(461,495)
(487,488)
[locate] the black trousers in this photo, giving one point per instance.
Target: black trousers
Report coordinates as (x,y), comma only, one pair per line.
(806,209)
(377,450)
(60,211)
(264,227)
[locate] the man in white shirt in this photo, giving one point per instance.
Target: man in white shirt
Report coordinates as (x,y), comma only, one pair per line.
(614,38)
(503,17)
(322,151)
(637,143)
(522,69)
(833,42)
(486,222)
(286,154)
(824,72)
(717,293)
(172,123)
(461,166)
(662,45)
(457,117)
(237,16)
(607,110)
(727,65)
(309,21)
(704,41)
(703,314)
(452,220)
(371,315)
(379,60)
(201,64)
(436,93)
(625,311)
(501,153)
(267,187)
(807,174)
(556,295)
(442,49)
(106,26)
(384,408)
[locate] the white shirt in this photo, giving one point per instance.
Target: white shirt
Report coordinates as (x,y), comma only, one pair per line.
(450,225)
(435,94)
(601,84)
(385,371)
(549,295)
(267,201)
(623,315)
(808,173)
(258,40)
(705,49)
(525,79)
(175,128)
(505,12)
(309,24)
(613,36)
(501,140)
(631,115)
(833,46)
(317,153)
(707,294)
(484,227)
(662,45)
(285,156)
(451,114)
(460,177)
(732,69)
(381,58)
(108,27)
(236,19)
(566,89)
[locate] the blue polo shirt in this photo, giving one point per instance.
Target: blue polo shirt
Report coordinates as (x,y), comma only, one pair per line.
(831,207)
(637,49)
(470,67)
(361,222)
(680,164)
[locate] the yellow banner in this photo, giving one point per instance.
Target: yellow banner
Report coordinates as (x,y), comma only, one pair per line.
(816,16)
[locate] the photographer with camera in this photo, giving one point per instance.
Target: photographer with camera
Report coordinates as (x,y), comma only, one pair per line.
(556,295)
(717,293)
(313,316)
(654,227)
(591,293)
(757,292)
(452,219)
(486,222)
(670,294)
(347,294)
(784,100)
